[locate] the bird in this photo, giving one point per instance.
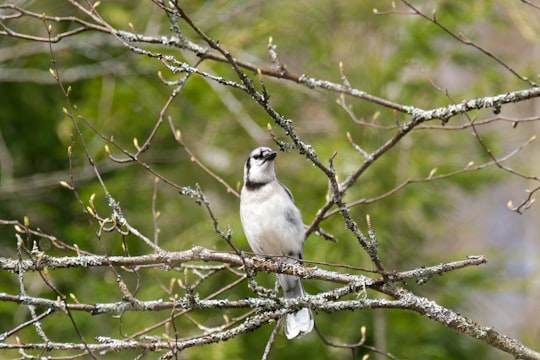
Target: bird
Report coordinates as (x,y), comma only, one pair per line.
(273,226)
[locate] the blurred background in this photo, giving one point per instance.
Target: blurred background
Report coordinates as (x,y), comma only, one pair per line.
(393,55)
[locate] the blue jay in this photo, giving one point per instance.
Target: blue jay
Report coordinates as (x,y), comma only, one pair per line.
(273,226)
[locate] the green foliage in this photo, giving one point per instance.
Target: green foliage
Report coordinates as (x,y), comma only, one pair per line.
(390,56)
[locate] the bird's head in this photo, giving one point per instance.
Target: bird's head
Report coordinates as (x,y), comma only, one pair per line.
(259,167)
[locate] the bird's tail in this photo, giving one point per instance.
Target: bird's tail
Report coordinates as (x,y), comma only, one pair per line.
(300,322)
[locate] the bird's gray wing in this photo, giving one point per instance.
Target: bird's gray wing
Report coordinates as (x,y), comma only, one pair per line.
(287,191)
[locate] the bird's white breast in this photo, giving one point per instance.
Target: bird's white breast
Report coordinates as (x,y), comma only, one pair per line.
(271,221)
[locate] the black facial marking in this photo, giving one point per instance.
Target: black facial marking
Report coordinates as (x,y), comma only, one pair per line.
(264,155)
(258,156)
(256,159)
(253,185)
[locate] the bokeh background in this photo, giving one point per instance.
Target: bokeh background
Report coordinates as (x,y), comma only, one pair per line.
(397,56)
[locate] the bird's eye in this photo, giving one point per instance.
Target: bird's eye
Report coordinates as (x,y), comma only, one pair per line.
(258,156)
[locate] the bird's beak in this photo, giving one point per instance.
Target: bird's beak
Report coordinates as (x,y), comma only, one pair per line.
(270,156)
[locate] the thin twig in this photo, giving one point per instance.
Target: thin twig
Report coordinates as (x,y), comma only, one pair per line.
(461,38)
